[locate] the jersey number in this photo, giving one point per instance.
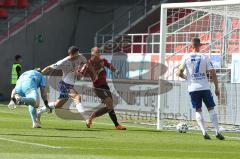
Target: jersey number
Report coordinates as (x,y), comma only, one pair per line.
(196,64)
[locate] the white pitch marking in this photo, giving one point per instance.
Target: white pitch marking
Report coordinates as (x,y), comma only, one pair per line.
(231,137)
(31,143)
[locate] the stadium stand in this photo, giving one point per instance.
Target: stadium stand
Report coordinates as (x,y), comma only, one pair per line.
(146,43)
(16,14)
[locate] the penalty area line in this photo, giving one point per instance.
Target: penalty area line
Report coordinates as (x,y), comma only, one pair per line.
(31,143)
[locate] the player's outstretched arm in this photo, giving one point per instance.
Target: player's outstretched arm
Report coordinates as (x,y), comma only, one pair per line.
(215,81)
(110,66)
(47,70)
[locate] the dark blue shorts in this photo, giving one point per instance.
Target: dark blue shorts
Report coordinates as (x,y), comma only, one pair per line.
(64,89)
(197,97)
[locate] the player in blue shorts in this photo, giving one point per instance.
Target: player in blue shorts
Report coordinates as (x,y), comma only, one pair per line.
(70,67)
(26,93)
(197,66)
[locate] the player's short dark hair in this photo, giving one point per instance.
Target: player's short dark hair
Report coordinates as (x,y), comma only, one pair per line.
(73,49)
(17,57)
(196,42)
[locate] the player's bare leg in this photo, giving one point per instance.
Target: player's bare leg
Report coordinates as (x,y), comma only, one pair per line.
(53,105)
(75,96)
(101,111)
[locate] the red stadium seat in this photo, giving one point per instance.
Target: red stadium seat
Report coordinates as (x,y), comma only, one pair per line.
(9,3)
(235,24)
(22,4)
(205,37)
(137,48)
(2,3)
(218,35)
(3,14)
(181,48)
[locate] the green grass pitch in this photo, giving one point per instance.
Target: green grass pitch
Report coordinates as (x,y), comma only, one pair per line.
(65,139)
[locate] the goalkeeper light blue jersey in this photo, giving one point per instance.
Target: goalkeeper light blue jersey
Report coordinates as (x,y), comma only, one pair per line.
(30,80)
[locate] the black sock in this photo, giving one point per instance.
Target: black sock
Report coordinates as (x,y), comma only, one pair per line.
(113,117)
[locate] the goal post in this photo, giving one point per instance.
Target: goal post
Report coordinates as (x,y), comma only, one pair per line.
(163,29)
(217,24)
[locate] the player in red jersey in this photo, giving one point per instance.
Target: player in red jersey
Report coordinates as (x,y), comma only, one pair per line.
(102,89)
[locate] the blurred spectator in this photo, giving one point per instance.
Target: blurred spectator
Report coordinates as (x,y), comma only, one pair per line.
(16,69)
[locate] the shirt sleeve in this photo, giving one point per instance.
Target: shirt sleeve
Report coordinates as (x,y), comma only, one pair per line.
(209,64)
(43,82)
(58,65)
(183,63)
(107,64)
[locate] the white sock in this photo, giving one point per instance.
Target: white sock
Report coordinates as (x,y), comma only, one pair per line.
(51,105)
(44,108)
(200,121)
(214,119)
(80,108)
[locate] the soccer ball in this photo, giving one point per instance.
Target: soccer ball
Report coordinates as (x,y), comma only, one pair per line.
(182,127)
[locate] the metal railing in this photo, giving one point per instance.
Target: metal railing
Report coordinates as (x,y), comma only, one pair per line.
(129,43)
(20,18)
(129,17)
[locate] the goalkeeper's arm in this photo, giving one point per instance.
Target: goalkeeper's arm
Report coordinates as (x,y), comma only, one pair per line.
(44,97)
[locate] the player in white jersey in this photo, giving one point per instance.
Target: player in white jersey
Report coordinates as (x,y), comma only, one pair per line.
(197,66)
(69,66)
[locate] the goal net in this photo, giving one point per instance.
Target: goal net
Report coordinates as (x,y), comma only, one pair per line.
(217,24)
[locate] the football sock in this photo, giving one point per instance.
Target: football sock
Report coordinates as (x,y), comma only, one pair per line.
(44,108)
(214,119)
(113,117)
(33,113)
(200,121)
(80,108)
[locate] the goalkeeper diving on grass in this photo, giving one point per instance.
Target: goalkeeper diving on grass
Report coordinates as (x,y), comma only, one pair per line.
(26,93)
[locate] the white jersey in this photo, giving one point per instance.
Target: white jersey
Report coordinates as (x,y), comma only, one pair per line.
(197,65)
(69,67)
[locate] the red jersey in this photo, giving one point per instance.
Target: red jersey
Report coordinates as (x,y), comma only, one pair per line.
(99,67)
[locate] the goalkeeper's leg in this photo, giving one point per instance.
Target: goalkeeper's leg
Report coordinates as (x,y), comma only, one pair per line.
(32,99)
